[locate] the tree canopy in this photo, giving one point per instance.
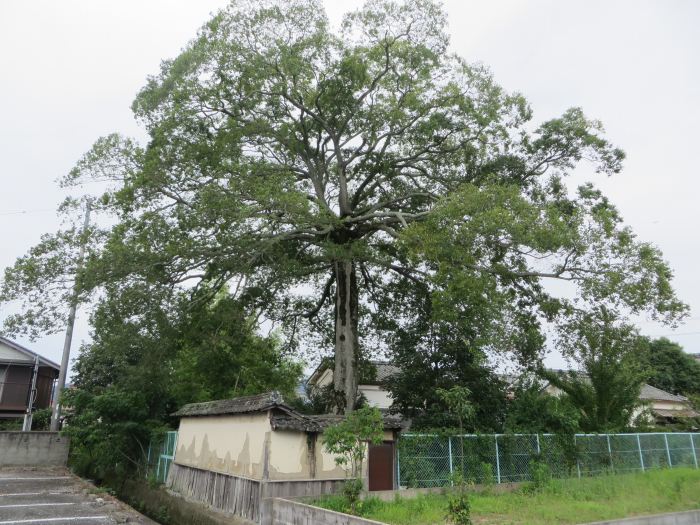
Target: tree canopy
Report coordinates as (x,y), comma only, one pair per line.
(324,172)
(605,388)
(672,369)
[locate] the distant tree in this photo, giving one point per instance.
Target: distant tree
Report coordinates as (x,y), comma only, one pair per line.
(533,411)
(437,359)
(320,168)
(609,370)
(672,369)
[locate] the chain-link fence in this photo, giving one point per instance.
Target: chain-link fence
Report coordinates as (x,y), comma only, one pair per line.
(160,456)
(430,460)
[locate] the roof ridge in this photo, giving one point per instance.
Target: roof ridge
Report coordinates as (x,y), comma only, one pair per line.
(25,350)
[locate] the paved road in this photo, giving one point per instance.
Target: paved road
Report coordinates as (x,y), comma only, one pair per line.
(56,497)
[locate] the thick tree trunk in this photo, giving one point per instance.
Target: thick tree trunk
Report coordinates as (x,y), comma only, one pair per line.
(347,348)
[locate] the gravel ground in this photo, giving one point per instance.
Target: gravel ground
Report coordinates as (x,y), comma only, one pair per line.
(55,496)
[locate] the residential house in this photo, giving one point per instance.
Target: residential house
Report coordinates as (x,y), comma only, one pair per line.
(664,406)
(234,454)
(372,381)
(17,367)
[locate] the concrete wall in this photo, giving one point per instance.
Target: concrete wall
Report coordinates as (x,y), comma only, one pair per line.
(232,444)
(33,449)
(287,512)
(153,501)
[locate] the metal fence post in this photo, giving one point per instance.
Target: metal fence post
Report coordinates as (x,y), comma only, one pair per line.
(398,462)
(668,451)
(692,447)
(498,461)
(449,448)
(610,452)
(538,444)
(578,463)
(641,457)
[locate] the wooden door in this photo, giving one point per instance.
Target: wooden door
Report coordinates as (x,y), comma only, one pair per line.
(381,466)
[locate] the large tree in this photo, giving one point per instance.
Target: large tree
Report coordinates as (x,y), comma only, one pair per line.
(322,168)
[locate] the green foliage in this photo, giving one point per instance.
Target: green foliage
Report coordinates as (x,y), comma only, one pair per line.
(458,403)
(487,479)
(150,356)
(352,488)
(348,441)
(41,419)
(109,432)
(532,411)
(605,389)
(671,368)
(541,477)
(459,509)
(432,356)
(566,501)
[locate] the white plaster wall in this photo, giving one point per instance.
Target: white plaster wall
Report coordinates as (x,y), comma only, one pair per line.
(289,455)
(668,405)
(376,396)
(231,444)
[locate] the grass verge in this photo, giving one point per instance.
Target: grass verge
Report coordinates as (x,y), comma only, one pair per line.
(567,501)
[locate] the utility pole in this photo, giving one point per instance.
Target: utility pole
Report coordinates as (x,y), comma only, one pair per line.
(56,413)
(29,414)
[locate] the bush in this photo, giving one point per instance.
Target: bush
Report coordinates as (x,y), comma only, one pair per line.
(541,477)
(459,509)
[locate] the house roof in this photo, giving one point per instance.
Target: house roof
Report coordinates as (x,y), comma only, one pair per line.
(320,422)
(238,405)
(27,352)
(384,370)
(656,394)
(284,418)
(674,414)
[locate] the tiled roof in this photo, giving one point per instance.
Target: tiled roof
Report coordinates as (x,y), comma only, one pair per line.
(320,422)
(385,370)
(238,405)
(656,394)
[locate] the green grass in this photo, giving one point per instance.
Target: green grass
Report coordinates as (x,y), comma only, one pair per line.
(559,502)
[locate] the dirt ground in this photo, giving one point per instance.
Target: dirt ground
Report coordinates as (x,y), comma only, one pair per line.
(34,496)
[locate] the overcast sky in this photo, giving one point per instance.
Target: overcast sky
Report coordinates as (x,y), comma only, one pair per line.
(71,68)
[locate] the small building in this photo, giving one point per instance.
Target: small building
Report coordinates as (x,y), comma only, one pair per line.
(666,407)
(372,384)
(233,454)
(17,365)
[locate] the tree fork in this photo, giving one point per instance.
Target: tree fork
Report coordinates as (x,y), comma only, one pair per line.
(347,348)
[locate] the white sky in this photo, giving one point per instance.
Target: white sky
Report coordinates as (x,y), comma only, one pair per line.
(71,69)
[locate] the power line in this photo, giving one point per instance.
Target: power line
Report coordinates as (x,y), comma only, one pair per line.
(25,212)
(673,335)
